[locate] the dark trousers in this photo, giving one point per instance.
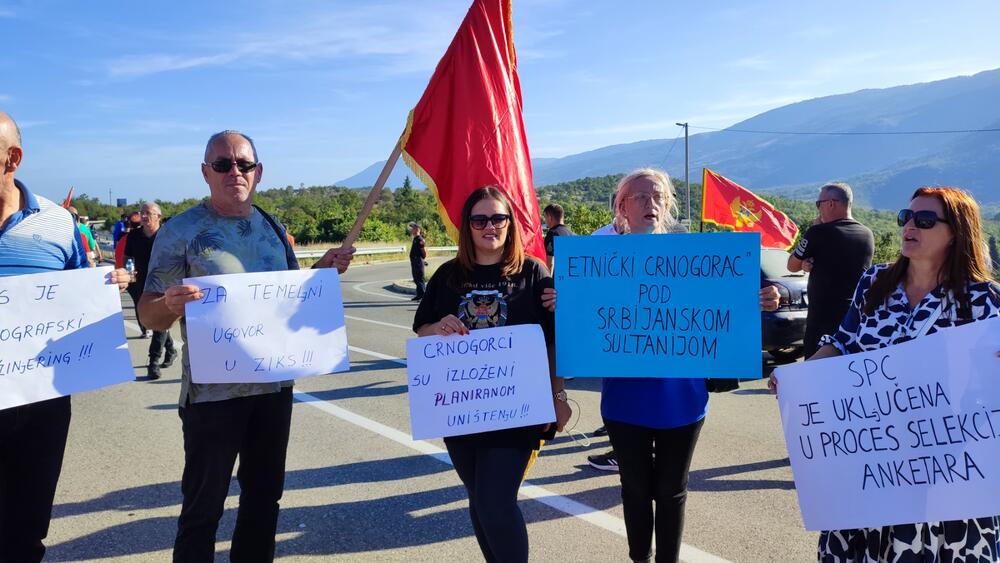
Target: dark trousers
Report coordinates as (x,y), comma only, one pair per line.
(646,480)
(215,433)
(492,477)
(32,442)
(161,341)
(417,269)
(161,338)
(135,292)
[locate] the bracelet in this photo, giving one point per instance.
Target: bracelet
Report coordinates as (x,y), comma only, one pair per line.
(561,395)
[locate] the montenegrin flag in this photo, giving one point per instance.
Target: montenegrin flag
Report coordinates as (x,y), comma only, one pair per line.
(466,131)
(726,203)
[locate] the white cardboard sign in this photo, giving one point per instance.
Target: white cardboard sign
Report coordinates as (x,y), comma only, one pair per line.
(491,379)
(60,333)
(908,433)
(266,326)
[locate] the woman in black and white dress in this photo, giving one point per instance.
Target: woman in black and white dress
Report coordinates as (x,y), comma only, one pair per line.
(940,280)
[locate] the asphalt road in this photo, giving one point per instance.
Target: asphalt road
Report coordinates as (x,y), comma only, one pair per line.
(359,489)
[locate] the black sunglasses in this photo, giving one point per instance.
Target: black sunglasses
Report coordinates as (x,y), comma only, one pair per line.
(478,222)
(921,219)
(224,165)
(822,201)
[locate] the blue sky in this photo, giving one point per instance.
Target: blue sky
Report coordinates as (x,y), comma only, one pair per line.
(122,95)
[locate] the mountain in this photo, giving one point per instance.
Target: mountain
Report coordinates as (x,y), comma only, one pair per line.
(874,148)
(367,177)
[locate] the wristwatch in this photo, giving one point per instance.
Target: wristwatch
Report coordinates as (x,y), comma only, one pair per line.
(561,395)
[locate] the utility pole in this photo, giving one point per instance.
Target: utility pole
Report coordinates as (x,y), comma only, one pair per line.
(109,196)
(687,177)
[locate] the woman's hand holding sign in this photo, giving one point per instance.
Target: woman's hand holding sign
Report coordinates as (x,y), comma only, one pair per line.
(445,327)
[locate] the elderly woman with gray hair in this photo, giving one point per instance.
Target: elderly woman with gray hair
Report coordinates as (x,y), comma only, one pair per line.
(653,423)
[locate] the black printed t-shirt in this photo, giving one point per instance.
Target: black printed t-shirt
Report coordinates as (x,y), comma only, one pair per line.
(841,251)
(487,300)
(550,238)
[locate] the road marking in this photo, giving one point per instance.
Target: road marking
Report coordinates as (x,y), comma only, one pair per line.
(563,504)
(353,318)
(361,287)
(400,361)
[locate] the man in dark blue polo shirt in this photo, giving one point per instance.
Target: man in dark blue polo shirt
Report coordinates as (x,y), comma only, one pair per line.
(36,236)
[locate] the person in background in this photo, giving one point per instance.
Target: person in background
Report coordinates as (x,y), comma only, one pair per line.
(288,235)
(139,246)
(36,236)
(134,222)
(418,255)
(96,257)
(226,234)
(939,280)
(553,214)
(654,423)
(835,251)
(491,268)
(119,230)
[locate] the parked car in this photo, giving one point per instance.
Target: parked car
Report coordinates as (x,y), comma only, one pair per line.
(783,330)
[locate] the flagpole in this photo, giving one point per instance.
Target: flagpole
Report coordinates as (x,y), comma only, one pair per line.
(373,196)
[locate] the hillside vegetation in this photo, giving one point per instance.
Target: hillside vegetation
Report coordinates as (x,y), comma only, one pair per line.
(324,214)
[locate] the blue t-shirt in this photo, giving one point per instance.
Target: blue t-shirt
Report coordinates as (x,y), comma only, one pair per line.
(42,237)
(651,401)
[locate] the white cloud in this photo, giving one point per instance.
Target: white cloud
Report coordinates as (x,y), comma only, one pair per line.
(370,31)
(755,62)
(5,98)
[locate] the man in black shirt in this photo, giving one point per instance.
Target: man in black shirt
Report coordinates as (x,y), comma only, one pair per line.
(554,221)
(139,247)
(418,252)
(835,251)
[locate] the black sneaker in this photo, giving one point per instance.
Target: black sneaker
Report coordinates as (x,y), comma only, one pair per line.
(168,359)
(604,462)
(153,371)
(602,431)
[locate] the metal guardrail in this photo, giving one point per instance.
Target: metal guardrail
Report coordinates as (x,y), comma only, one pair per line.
(369,251)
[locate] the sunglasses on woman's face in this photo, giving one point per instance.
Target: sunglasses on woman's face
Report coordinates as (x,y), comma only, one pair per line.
(921,219)
(478,222)
(224,165)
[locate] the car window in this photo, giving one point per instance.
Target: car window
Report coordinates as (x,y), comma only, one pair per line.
(774,264)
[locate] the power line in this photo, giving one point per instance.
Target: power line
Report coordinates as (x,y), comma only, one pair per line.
(848,133)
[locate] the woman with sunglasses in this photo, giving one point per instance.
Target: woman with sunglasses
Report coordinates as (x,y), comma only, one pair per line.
(492,283)
(653,423)
(941,279)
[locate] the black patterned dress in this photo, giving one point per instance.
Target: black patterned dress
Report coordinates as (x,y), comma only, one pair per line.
(965,541)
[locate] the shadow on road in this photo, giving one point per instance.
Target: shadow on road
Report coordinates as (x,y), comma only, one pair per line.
(364,390)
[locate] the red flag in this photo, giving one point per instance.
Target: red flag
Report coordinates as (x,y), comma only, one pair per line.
(724,202)
(466,131)
(69,198)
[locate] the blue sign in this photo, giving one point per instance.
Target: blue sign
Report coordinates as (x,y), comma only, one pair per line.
(666,305)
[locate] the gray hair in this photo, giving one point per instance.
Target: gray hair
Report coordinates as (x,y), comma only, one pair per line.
(667,222)
(153,206)
(226,133)
(841,191)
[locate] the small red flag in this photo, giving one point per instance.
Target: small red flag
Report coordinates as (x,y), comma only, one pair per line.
(467,132)
(726,203)
(69,198)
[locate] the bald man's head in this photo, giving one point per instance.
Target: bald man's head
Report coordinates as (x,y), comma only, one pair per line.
(10,135)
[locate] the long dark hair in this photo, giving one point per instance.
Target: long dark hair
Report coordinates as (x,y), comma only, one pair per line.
(512,259)
(965,263)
